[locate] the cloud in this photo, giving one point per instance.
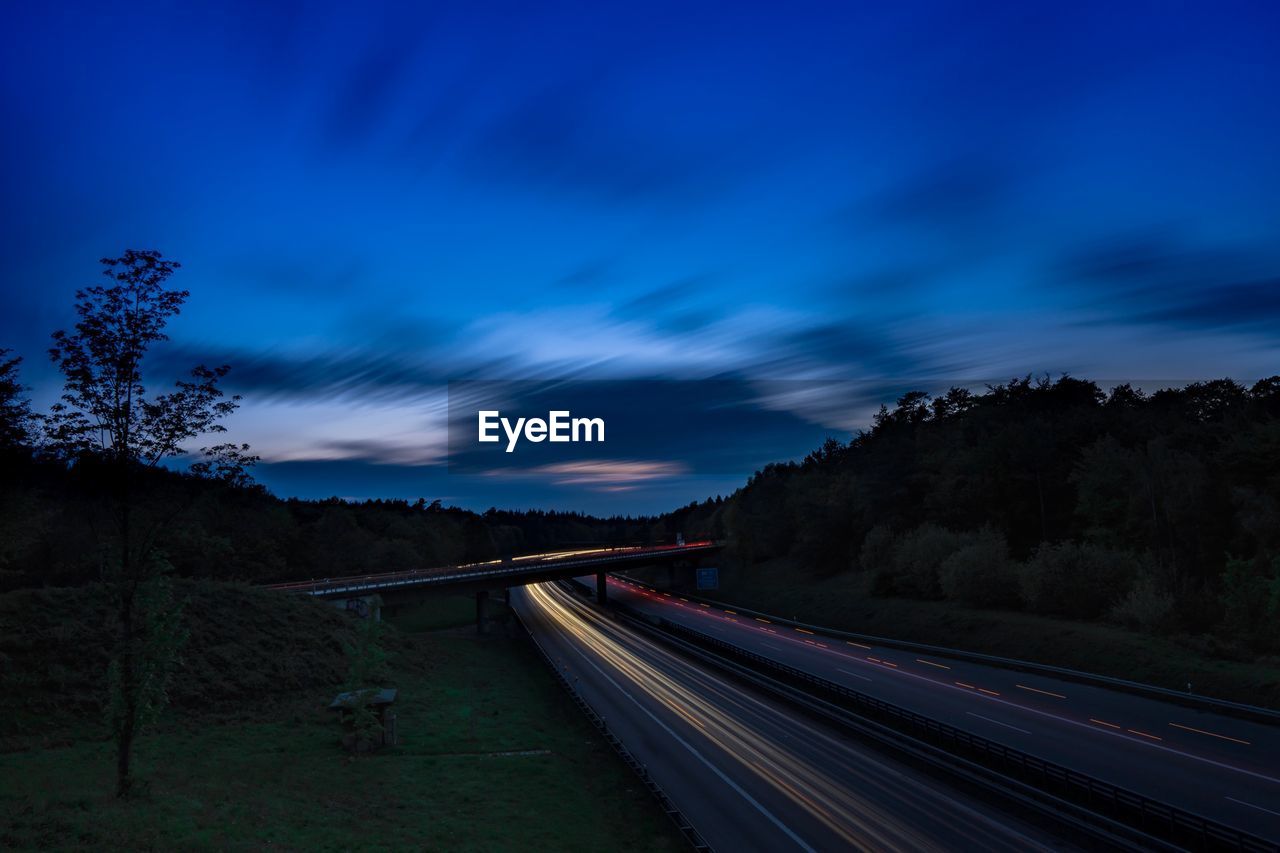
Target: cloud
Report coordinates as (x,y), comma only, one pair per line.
(363,98)
(956,194)
(1162,279)
(606,475)
(386,432)
(267,375)
(570,138)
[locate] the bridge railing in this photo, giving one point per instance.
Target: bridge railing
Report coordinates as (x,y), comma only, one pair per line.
(496,569)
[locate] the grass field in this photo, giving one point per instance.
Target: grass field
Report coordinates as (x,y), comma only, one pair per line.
(493,756)
(440,611)
(843,602)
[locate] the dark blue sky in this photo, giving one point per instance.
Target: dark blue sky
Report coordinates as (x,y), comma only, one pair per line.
(372,200)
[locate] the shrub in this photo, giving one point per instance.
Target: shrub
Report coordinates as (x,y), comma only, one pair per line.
(1251,602)
(979,571)
(1148,605)
(876,553)
(876,557)
(1079,580)
(918,559)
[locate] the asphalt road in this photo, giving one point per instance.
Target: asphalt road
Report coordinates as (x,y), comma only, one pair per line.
(747,771)
(1218,766)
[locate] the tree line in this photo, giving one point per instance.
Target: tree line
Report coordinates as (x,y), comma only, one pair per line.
(52,518)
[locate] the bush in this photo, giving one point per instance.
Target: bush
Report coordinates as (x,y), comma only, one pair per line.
(918,560)
(1148,605)
(1078,580)
(876,557)
(1251,602)
(876,553)
(979,572)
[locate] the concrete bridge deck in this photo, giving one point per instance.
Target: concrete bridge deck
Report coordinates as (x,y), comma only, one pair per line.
(480,578)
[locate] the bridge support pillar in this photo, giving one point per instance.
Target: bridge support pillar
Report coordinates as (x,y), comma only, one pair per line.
(602,588)
(482,610)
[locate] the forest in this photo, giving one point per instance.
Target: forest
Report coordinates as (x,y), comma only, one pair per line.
(1156,510)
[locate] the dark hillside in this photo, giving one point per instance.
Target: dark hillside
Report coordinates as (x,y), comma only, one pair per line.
(1157,511)
(246,646)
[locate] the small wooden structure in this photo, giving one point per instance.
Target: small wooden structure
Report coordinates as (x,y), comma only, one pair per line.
(380,699)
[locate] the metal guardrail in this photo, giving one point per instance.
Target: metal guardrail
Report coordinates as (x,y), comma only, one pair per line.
(357,585)
(677,817)
(1224,706)
(1172,823)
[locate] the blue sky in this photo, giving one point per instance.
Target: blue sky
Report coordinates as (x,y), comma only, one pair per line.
(371,200)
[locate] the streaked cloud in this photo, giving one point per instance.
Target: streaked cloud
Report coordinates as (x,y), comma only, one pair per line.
(370,203)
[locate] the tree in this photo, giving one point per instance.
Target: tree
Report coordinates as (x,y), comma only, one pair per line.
(16,420)
(366,660)
(106,415)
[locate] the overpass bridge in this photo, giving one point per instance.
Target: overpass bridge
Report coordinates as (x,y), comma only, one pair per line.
(481,578)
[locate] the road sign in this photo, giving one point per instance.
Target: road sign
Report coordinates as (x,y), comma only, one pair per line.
(709,578)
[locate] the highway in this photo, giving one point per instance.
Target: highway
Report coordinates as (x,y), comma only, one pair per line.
(1218,766)
(748,772)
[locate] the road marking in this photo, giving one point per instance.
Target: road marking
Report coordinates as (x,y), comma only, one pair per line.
(1070,722)
(803,631)
(1038,690)
(859,645)
(1103,723)
(854,674)
(969,686)
(1210,734)
(998,723)
(731,612)
(698,755)
(1144,734)
(759,619)
(1252,806)
(989,692)
(931,663)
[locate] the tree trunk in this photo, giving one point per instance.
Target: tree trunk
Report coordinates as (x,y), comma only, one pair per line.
(126,727)
(1044,523)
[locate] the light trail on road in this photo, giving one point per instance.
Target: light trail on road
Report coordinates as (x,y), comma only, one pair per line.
(811,785)
(1171,753)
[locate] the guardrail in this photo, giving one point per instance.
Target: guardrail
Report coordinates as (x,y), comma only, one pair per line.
(1171,823)
(1224,706)
(677,817)
(472,571)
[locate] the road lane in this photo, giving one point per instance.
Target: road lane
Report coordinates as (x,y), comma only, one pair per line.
(1221,767)
(747,771)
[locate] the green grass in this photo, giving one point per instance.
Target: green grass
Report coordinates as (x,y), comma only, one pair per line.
(843,602)
(441,611)
(250,775)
